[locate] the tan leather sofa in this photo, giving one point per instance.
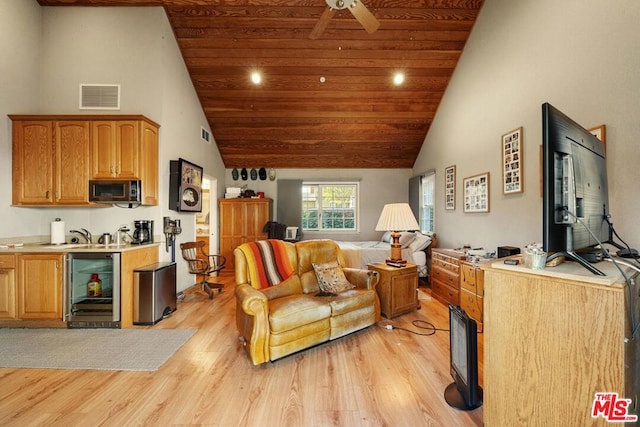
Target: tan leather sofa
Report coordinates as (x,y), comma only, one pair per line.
(289,317)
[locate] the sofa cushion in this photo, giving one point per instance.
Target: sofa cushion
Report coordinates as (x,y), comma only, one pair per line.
(331,277)
(293,311)
(351,300)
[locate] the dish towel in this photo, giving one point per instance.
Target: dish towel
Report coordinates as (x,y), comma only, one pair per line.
(267,261)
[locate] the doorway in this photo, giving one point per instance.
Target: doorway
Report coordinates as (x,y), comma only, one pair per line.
(207,220)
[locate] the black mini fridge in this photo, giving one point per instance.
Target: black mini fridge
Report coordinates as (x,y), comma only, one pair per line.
(154,292)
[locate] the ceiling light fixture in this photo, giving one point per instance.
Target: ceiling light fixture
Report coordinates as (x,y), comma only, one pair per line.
(398,79)
(256,78)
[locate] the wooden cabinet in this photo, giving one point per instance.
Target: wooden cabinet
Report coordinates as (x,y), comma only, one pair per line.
(8,287)
(397,289)
(241,220)
(115,147)
(552,339)
(472,290)
(50,163)
(445,275)
(40,286)
(55,156)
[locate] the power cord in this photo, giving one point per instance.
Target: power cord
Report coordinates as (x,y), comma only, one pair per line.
(418,323)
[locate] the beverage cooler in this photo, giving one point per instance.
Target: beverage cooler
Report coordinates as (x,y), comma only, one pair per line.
(93,290)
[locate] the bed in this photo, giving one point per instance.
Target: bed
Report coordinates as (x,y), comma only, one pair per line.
(416,249)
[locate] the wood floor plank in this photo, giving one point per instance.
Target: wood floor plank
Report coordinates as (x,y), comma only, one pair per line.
(375,377)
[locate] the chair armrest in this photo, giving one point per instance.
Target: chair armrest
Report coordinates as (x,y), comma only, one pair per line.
(363,279)
(252,320)
(217,261)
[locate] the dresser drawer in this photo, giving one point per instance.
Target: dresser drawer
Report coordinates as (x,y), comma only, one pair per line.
(444,262)
(450,278)
(445,294)
(7,261)
(472,305)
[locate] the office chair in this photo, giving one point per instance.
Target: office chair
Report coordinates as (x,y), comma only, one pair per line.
(200,263)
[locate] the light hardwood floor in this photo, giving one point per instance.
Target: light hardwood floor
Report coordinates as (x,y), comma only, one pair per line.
(374,377)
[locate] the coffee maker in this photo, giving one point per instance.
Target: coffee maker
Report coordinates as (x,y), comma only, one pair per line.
(142,232)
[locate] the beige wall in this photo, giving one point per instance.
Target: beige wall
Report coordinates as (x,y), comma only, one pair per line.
(54,50)
(583,58)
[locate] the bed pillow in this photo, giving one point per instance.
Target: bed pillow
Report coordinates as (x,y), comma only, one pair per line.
(406,237)
(386,237)
(420,242)
(331,278)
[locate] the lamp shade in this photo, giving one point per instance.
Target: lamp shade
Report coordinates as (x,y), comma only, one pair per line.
(397,217)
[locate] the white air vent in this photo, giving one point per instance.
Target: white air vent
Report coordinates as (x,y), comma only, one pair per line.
(99,97)
(205,135)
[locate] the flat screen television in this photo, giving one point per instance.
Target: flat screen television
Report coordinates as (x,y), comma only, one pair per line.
(575,193)
(463,393)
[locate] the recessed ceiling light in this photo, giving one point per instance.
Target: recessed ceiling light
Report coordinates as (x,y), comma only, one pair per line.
(256,78)
(322,79)
(398,79)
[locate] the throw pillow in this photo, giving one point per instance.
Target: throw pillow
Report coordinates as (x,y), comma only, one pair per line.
(420,243)
(331,278)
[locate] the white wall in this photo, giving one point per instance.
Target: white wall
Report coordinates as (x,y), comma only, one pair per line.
(377,188)
(57,48)
(581,56)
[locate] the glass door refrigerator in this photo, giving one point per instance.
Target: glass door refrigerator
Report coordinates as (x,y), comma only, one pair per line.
(93,290)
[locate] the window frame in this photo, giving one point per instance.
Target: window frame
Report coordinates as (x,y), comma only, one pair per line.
(320,185)
(431,175)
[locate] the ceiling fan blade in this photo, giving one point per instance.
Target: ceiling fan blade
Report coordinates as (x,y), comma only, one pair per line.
(322,23)
(364,17)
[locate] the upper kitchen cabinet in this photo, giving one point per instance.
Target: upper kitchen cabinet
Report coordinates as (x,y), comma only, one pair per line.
(50,163)
(115,148)
(55,156)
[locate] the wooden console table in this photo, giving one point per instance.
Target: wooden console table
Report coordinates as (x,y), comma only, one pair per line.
(552,339)
(397,288)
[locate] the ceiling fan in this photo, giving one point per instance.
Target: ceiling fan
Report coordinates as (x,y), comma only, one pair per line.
(357,9)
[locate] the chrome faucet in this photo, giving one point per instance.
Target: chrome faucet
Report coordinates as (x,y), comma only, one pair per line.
(84,233)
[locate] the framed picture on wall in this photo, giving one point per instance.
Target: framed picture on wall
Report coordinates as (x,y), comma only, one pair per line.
(512,173)
(476,193)
(450,188)
(185,186)
(600,132)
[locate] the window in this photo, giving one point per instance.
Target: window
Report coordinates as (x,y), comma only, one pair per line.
(427,197)
(330,206)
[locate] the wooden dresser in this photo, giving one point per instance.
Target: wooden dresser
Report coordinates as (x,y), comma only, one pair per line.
(445,275)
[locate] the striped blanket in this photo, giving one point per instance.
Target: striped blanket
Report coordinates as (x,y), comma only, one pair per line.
(267,261)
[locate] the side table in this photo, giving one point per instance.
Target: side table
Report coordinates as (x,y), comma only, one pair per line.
(397,288)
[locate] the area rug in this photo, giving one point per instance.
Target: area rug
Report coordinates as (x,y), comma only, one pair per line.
(99,349)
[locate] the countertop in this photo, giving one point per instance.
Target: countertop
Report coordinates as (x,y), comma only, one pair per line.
(69,247)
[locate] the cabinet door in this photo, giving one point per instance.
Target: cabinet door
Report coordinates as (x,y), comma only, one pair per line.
(40,286)
(32,163)
(231,229)
(404,293)
(127,149)
(103,141)
(72,162)
(257,214)
(8,293)
(148,163)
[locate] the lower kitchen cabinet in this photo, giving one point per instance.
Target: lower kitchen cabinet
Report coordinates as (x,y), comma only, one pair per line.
(8,292)
(40,286)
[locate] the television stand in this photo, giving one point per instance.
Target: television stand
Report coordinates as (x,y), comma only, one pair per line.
(455,399)
(573,256)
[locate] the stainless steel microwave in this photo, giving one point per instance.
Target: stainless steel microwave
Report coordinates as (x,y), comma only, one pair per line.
(115,191)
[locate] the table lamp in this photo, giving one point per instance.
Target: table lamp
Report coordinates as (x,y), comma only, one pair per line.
(396,217)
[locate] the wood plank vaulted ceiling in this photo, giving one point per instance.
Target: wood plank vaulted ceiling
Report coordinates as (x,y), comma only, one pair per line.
(356,117)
